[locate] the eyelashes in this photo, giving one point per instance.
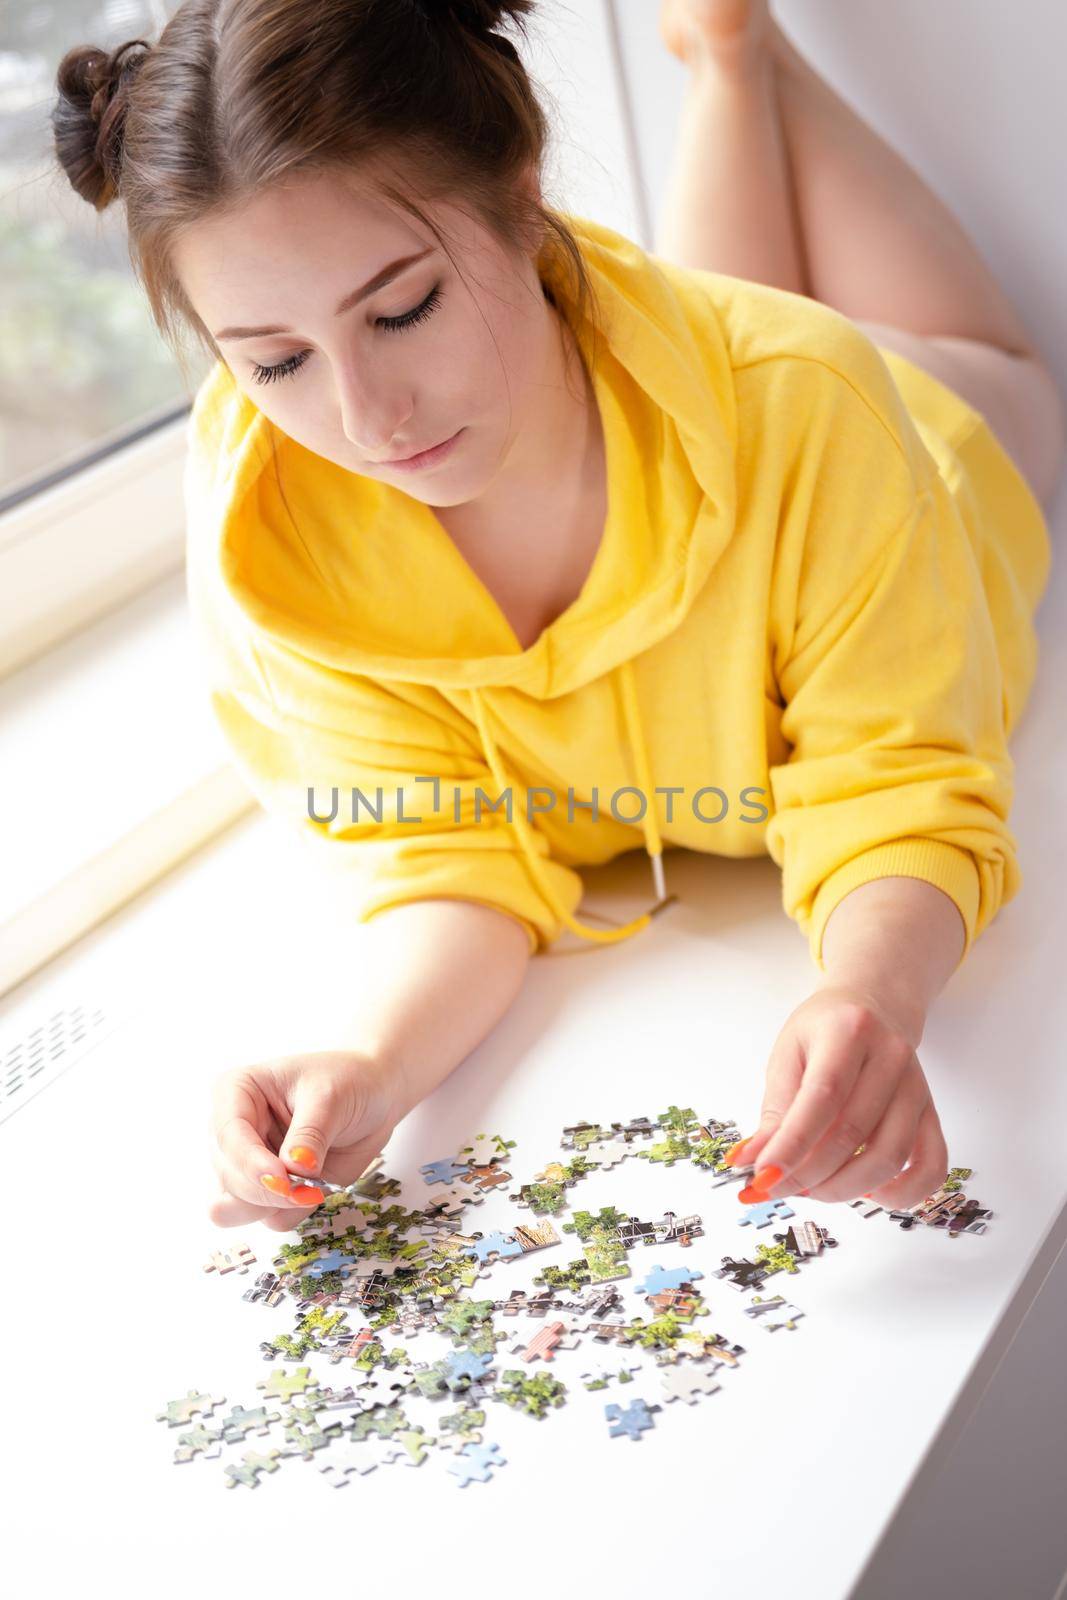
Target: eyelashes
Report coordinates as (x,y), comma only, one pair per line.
(292,364)
(284,369)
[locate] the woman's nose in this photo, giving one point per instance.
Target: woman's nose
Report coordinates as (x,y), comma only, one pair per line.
(372,419)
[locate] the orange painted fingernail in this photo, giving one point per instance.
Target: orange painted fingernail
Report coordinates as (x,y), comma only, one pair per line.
(804,1191)
(734,1148)
(271,1180)
(766,1178)
(305,1194)
(302,1155)
(750,1196)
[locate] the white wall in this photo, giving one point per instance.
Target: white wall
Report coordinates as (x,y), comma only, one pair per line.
(573,58)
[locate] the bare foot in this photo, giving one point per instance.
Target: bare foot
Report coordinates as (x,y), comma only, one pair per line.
(723,30)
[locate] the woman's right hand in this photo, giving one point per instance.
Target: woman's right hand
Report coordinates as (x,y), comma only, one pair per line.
(328,1113)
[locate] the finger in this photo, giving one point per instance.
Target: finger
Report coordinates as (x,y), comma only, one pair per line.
(860,1123)
(246,1160)
(887,1147)
(926,1170)
(834,1059)
(323,1109)
(785,1069)
(281,1193)
(226,1211)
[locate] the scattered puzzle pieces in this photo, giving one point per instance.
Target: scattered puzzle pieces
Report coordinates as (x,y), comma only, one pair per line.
(408,1271)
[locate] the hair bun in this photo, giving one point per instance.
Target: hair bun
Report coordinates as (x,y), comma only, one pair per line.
(479,16)
(89,115)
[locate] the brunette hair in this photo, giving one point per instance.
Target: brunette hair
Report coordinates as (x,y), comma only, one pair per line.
(240,94)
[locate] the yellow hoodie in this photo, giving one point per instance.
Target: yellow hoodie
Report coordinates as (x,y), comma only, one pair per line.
(808,629)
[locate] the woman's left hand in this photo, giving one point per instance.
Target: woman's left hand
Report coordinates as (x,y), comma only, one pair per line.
(844,1074)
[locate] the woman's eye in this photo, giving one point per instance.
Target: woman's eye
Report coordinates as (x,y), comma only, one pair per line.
(420,313)
(285,369)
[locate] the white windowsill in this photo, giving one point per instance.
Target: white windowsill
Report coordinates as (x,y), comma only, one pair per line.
(113,771)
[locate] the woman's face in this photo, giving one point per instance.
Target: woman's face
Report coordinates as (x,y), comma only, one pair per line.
(406,364)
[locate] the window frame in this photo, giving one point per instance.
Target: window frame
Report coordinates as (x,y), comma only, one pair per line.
(81,546)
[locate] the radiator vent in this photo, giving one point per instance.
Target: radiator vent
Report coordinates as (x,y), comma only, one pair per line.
(31,1063)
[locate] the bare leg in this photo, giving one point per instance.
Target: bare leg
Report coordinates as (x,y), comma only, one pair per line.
(778,180)
(730,203)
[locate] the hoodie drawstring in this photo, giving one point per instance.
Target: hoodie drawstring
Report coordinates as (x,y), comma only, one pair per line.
(653,844)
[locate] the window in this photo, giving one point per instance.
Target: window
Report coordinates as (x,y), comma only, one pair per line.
(83,371)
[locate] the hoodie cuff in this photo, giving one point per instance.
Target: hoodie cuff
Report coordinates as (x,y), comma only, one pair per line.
(946,866)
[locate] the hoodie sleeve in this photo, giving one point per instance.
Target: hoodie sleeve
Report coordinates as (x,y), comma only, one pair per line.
(401,795)
(887,667)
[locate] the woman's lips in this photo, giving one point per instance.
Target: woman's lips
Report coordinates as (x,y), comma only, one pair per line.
(425,458)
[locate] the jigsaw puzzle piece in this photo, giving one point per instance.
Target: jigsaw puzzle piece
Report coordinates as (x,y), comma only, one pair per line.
(764,1212)
(345,1461)
(545,1342)
(199,1441)
(599,1377)
(446,1169)
(687,1383)
(504,1245)
(741,1274)
(303,1441)
(282,1385)
(463,1367)
(608,1152)
(633,1420)
(332,1261)
(181,1411)
(474,1463)
(253,1463)
(450,1202)
(661,1278)
(237,1258)
(240,1422)
(380,1391)
(487,1148)
(774,1312)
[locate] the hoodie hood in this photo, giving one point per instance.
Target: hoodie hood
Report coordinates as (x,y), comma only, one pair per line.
(344,570)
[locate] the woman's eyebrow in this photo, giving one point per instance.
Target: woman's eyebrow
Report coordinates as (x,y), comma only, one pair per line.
(391,270)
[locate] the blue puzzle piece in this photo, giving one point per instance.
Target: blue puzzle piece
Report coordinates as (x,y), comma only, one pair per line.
(633,1420)
(766,1211)
(333,1261)
(505,1244)
(660,1278)
(465,1364)
(474,1463)
(445,1170)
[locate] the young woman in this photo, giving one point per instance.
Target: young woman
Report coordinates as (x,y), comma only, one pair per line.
(513,546)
